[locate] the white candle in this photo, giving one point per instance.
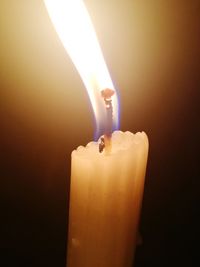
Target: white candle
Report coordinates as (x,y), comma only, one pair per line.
(105,200)
(106,188)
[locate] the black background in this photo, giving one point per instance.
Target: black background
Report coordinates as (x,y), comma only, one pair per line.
(45,114)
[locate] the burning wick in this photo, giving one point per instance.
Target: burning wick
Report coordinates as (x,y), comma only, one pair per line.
(101,144)
(105,141)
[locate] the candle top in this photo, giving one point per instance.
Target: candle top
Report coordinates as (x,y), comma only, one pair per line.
(121,142)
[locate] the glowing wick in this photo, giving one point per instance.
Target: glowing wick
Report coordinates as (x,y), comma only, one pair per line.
(105,141)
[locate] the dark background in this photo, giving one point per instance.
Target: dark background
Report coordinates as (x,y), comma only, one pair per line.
(152,51)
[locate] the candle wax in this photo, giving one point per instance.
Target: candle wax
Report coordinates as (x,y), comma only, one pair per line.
(105,201)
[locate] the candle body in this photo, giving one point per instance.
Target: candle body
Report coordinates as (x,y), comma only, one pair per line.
(105,200)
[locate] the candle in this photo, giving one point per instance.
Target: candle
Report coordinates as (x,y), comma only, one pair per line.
(107,177)
(105,199)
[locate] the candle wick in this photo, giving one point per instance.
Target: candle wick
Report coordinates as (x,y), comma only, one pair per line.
(105,142)
(101,144)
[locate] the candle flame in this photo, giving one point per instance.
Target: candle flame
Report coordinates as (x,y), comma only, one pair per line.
(74,27)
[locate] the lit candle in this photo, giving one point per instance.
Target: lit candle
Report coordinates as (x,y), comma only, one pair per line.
(107,177)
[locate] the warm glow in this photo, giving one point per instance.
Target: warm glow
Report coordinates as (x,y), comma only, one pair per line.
(74,27)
